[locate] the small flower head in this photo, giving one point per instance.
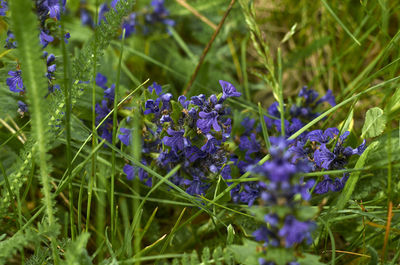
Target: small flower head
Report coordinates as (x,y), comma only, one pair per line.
(228,90)
(15,81)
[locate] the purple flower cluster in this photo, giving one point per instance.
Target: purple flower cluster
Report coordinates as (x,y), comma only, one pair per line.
(154,14)
(45,9)
(103,109)
(279,187)
(327,150)
(190,132)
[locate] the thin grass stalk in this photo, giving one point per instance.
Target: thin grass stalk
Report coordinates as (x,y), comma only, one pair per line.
(94,136)
(114,136)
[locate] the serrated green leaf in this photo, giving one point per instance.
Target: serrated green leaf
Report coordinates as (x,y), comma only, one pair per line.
(375,122)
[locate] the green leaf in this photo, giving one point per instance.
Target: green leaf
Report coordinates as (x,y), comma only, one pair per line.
(354,176)
(306,212)
(375,122)
(231,234)
(309,259)
(76,253)
(290,33)
(245,254)
(281,256)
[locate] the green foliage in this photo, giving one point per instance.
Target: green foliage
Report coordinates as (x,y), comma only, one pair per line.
(245,253)
(375,122)
(309,259)
(76,253)
(218,257)
(25,26)
(18,241)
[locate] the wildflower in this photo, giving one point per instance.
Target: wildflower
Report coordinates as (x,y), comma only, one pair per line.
(228,90)
(251,145)
(207,121)
(10,41)
(67,36)
(132,171)
(101,81)
(102,10)
(3,7)
(86,19)
(22,108)
(324,186)
(323,137)
(211,145)
(323,157)
(175,141)
(15,81)
(295,231)
(54,8)
(125,136)
(152,106)
(156,87)
(45,38)
(101,111)
(329,97)
(109,93)
(129,25)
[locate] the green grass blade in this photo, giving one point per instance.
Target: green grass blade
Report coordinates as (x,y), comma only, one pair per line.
(340,22)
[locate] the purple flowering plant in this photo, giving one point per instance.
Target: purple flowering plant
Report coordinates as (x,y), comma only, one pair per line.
(161,169)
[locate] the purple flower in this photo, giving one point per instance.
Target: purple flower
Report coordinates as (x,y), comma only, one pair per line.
(129,25)
(156,87)
(196,186)
(251,145)
(45,38)
(198,100)
(271,219)
(152,106)
(10,41)
(22,107)
(109,93)
(193,153)
(165,118)
(295,231)
(176,140)
(15,81)
(248,125)
(101,81)
(322,137)
(114,3)
(132,171)
(262,234)
(102,111)
(185,103)
(323,157)
(125,136)
(329,97)
(211,145)
(228,90)
(54,8)
(102,10)
(67,36)
(105,132)
(207,120)
(3,8)
(324,186)
(309,95)
(86,18)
